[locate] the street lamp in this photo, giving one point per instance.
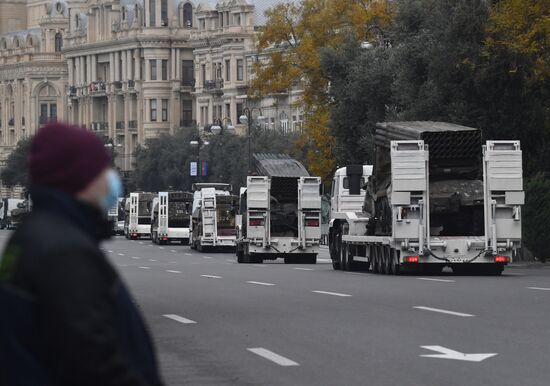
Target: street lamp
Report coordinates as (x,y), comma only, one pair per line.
(246,118)
(219,126)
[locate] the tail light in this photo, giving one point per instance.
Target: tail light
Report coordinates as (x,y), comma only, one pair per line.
(411,259)
(165,238)
(501,259)
(256,222)
(312,222)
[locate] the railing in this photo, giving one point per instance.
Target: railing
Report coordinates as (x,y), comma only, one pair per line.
(100,126)
(213,85)
(120,125)
(117,85)
(97,87)
(132,124)
(72,91)
(11,122)
(188,123)
(47,57)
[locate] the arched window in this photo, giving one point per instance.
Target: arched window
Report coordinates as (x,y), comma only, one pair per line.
(187,15)
(58,42)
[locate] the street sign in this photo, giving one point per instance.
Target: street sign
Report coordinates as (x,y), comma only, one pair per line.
(447,353)
(193,169)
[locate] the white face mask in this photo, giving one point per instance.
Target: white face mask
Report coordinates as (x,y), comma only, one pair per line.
(114,190)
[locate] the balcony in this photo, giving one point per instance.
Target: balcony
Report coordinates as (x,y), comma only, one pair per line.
(97,88)
(132,124)
(117,86)
(188,123)
(120,125)
(213,86)
(11,122)
(131,85)
(99,126)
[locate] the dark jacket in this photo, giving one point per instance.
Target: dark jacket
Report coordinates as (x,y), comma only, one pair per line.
(65,316)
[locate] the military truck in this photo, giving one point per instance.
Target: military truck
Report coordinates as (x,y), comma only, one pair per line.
(213,218)
(435,197)
(139,215)
(280,212)
(171,217)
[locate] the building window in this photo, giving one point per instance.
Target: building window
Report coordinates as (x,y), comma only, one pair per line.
(44,109)
(187,112)
(164,110)
(219,71)
(164,69)
(227,70)
(153,110)
(239,111)
(188,15)
(164,13)
(240,69)
(228,110)
(153,63)
(188,73)
(58,42)
(203,74)
(152,13)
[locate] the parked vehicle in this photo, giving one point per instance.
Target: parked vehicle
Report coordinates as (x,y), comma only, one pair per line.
(280,213)
(429,202)
(139,215)
(213,218)
(171,217)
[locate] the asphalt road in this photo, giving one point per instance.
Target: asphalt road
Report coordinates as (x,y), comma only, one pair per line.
(216,322)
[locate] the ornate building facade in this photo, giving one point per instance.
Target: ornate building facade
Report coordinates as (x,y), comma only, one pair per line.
(130,70)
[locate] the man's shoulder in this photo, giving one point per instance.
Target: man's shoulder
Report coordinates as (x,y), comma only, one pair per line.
(44,231)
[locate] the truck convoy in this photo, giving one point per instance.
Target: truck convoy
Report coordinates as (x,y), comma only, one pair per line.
(171,216)
(213,217)
(280,212)
(434,197)
(138,214)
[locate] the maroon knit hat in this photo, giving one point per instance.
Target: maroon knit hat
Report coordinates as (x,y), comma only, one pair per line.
(66,158)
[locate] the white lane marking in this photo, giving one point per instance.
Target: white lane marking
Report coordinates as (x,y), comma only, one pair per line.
(331,293)
(161,247)
(229,260)
(135,257)
(207,257)
(430,279)
(188,254)
(259,283)
(539,288)
(180,319)
(141,242)
(270,355)
(443,311)
(172,271)
(152,260)
(173,262)
(258,265)
(212,276)
(110,251)
(121,254)
(325,260)
(172,250)
(303,269)
(447,353)
(122,265)
(145,267)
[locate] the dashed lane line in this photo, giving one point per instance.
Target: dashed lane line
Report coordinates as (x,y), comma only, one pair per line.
(180,319)
(461,314)
(441,280)
(302,269)
(260,283)
(121,254)
(211,276)
(331,293)
(145,267)
(161,247)
(539,288)
(188,254)
(152,260)
(207,257)
(135,257)
(172,271)
(173,250)
(273,357)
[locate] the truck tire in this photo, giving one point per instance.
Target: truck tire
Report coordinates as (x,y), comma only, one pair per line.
(373,259)
(337,245)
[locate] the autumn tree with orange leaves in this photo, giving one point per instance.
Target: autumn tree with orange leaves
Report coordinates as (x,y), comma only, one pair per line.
(292,38)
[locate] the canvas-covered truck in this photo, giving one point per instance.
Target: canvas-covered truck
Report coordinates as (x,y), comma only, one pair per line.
(213,218)
(435,197)
(139,215)
(171,217)
(280,213)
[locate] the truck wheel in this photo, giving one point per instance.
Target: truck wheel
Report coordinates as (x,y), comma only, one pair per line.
(344,257)
(255,259)
(373,259)
(337,245)
(240,257)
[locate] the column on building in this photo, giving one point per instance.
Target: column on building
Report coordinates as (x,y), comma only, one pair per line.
(94,68)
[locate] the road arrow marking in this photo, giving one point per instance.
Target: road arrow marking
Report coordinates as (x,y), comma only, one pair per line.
(447,353)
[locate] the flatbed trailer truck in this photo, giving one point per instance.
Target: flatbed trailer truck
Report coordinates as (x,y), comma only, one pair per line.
(171,217)
(409,222)
(139,215)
